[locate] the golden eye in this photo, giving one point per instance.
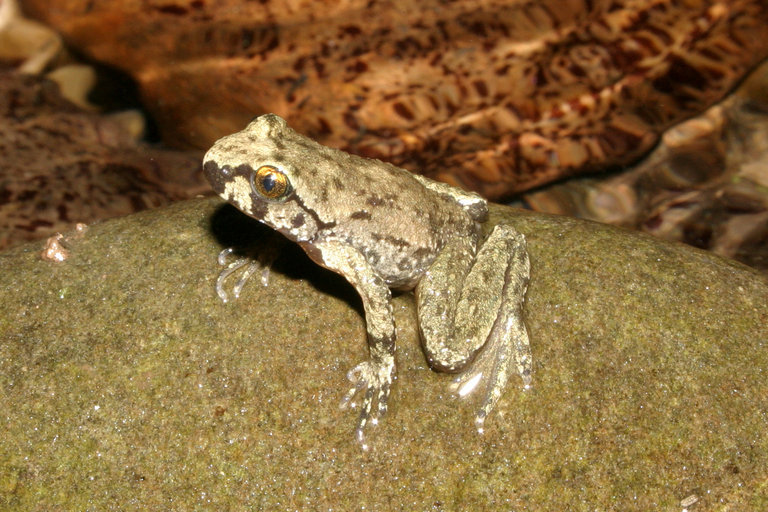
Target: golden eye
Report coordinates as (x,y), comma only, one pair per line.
(270,183)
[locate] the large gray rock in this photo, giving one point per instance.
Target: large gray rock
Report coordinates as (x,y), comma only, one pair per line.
(126,384)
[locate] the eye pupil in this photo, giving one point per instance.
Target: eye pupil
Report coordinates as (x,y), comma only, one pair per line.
(270,183)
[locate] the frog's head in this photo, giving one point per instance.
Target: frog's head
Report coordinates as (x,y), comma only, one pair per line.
(259,169)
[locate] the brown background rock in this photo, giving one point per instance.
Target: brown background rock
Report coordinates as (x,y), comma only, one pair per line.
(61,164)
(498,96)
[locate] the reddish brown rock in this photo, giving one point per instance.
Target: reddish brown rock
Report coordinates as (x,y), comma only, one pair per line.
(62,165)
(499,96)
(705,184)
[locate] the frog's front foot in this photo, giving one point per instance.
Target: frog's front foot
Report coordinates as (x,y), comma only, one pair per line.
(251,266)
(373,380)
(252,262)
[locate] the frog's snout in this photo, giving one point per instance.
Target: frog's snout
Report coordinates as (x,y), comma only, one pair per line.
(216,175)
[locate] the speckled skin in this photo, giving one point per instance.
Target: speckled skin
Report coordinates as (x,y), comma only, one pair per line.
(382,227)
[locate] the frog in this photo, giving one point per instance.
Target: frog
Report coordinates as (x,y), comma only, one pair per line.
(384,228)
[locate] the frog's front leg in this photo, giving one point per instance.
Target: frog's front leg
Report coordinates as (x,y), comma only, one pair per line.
(374,377)
(470,313)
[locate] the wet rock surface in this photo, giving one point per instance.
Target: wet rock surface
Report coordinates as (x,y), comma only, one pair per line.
(128,384)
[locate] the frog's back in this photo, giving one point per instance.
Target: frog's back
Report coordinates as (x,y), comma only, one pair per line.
(349,187)
(388,214)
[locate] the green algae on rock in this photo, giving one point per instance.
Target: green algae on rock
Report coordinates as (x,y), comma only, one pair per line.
(127,384)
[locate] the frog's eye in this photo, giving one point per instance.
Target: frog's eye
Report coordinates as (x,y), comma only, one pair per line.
(270,183)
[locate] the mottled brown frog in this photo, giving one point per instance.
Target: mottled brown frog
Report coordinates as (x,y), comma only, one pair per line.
(382,228)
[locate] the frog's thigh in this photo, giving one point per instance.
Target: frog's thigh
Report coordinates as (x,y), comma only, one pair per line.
(507,347)
(466,301)
(437,296)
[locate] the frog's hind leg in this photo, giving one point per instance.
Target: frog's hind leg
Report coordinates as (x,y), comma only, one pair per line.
(507,346)
(490,340)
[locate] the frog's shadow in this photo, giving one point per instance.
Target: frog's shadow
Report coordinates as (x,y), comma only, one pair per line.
(247,236)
